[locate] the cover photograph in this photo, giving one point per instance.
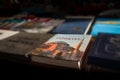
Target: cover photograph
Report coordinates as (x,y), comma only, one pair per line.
(62,50)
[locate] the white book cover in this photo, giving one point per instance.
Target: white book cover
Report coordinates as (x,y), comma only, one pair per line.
(7,33)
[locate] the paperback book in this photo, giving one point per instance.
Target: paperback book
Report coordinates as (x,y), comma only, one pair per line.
(75,25)
(39,25)
(18,46)
(66,50)
(106,25)
(106,51)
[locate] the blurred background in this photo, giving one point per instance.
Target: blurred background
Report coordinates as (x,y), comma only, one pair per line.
(56,7)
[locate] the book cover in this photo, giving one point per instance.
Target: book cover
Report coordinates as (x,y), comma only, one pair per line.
(53,22)
(37,25)
(41,26)
(26,25)
(65,50)
(10,22)
(106,25)
(7,33)
(75,25)
(106,51)
(45,25)
(17,46)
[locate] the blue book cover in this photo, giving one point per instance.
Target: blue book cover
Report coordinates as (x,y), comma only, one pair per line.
(106,25)
(72,25)
(106,51)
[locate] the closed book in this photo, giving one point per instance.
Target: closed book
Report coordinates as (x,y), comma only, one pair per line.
(42,25)
(106,25)
(17,47)
(75,25)
(64,50)
(106,51)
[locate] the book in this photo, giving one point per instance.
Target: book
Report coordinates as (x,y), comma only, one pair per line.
(106,25)
(7,33)
(106,51)
(17,47)
(75,25)
(65,50)
(10,22)
(26,25)
(47,26)
(39,25)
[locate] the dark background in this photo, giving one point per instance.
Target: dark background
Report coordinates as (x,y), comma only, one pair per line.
(53,8)
(12,70)
(57,7)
